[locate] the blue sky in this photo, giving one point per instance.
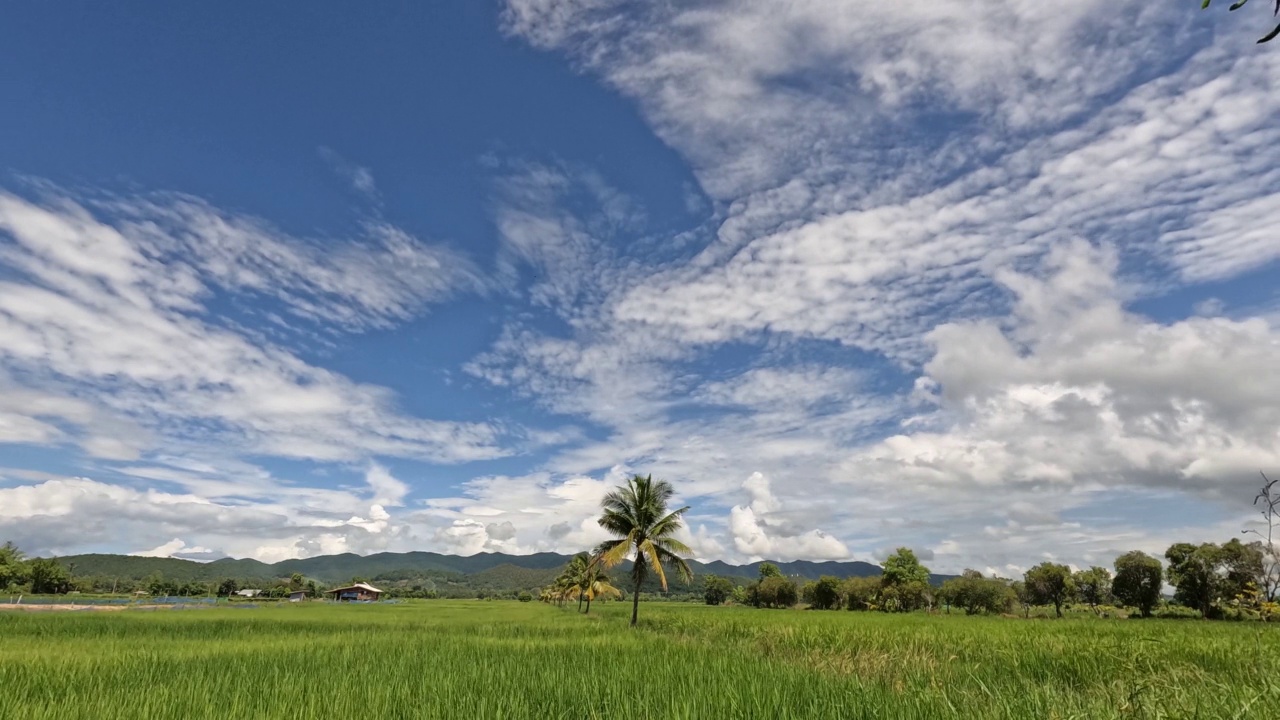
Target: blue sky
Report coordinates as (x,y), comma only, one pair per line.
(997,283)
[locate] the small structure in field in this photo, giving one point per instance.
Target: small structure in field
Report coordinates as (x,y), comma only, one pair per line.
(297,596)
(248,593)
(360,592)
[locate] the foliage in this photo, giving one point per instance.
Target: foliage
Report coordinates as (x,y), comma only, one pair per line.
(48,577)
(525,596)
(903,567)
(977,595)
(1275,32)
(715,589)
(1138,581)
(825,594)
(1049,584)
(1207,575)
(13,569)
(636,514)
(768,570)
(905,583)
(861,593)
(776,592)
(1093,586)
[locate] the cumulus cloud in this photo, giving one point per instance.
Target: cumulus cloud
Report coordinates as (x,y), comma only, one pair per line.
(761,531)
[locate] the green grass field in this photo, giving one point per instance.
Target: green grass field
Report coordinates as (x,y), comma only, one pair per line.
(473,659)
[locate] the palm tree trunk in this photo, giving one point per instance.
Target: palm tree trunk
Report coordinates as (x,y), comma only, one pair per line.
(635,603)
(579,601)
(588,605)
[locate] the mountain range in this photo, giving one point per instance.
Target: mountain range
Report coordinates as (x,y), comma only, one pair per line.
(495,571)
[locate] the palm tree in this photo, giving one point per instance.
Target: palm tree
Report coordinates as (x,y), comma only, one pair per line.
(597,585)
(636,514)
(577,574)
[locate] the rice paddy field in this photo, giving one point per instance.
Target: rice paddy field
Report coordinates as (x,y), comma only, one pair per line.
(476,659)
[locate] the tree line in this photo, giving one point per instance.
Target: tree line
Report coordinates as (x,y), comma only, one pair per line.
(1235,580)
(1229,580)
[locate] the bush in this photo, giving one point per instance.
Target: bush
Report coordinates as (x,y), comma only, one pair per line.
(1170,611)
(715,590)
(776,592)
(861,593)
(826,593)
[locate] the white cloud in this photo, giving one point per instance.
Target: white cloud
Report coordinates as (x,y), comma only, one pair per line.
(761,531)
(115,312)
(360,178)
(173,548)
(387,490)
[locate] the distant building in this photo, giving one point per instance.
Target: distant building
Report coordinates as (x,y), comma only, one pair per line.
(248,593)
(360,592)
(297,596)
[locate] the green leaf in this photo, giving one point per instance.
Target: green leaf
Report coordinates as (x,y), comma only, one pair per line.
(1204,5)
(1270,36)
(1237,6)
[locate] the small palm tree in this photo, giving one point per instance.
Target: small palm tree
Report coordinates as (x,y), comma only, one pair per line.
(577,572)
(597,585)
(637,515)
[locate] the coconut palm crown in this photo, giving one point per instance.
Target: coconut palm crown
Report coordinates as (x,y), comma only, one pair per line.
(637,515)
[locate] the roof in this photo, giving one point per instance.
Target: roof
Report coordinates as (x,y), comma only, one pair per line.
(357,586)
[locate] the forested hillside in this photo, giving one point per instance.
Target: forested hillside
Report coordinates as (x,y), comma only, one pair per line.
(426,571)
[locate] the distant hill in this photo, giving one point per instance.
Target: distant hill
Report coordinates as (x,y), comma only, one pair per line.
(488,571)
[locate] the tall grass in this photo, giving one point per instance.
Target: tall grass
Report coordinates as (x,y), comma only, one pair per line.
(505,660)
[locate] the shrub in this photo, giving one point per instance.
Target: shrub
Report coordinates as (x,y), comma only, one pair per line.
(861,593)
(525,596)
(777,592)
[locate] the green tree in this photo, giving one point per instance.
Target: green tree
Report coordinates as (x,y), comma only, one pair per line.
(1241,569)
(715,589)
(976,594)
(903,567)
(228,587)
(806,592)
(295,581)
(577,575)
(1205,576)
(595,584)
(637,516)
(1049,584)
(861,593)
(768,570)
(905,582)
(1023,595)
(13,568)
(1139,578)
(1093,586)
(825,594)
(49,577)
(1204,5)
(777,592)
(525,596)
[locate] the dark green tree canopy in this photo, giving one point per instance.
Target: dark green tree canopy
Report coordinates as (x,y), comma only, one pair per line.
(1049,584)
(1138,580)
